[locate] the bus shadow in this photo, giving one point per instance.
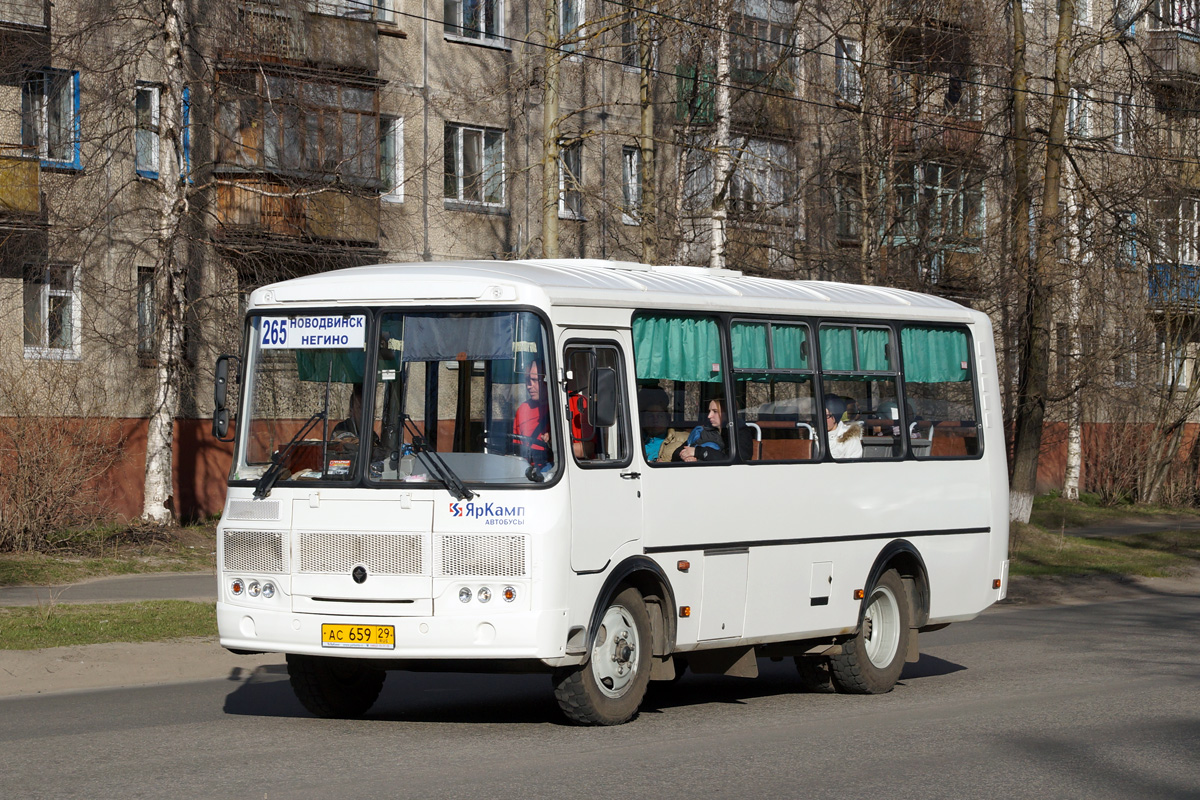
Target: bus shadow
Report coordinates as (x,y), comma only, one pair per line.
(526,699)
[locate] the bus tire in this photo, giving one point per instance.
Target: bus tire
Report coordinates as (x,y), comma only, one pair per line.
(334,687)
(872,661)
(608,688)
(814,673)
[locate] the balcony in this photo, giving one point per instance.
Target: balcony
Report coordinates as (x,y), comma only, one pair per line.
(23,13)
(937,135)
(20,188)
(1173,286)
(288,33)
(1174,57)
(260,207)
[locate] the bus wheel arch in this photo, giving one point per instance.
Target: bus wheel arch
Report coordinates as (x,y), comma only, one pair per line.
(903,557)
(648,578)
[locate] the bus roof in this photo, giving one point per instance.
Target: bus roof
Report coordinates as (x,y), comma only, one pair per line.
(594,282)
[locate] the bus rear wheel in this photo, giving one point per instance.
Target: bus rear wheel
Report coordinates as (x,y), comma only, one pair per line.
(334,687)
(608,688)
(872,661)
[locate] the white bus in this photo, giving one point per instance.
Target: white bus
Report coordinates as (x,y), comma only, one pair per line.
(606,472)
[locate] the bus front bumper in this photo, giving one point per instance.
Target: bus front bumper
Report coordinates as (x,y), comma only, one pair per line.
(512,635)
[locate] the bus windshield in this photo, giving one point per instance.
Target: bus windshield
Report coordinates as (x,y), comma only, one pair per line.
(441,397)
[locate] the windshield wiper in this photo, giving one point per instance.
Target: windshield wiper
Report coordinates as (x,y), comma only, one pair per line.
(272,473)
(440,468)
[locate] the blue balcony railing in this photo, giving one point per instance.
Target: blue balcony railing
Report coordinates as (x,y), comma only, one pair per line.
(1174,284)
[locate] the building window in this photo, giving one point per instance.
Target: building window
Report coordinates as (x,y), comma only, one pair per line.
(1123,123)
(570,179)
(570,24)
(474,19)
(847,54)
(146,312)
(1181,15)
(1124,17)
(50,117)
(295,127)
(1079,113)
(1083,12)
(146,97)
(1127,231)
(631,184)
(1124,358)
(945,201)
(1174,353)
(760,48)
(391,158)
(474,165)
(185,138)
(51,312)
(630,45)
(355,9)
(847,207)
(759,176)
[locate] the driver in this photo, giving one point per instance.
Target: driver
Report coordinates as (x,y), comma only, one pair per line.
(532,420)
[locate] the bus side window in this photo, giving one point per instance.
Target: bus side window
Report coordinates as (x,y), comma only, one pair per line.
(775,395)
(592,442)
(939,387)
(859,377)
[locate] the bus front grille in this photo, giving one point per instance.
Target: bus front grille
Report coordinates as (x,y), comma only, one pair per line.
(380,553)
(254,551)
(481,556)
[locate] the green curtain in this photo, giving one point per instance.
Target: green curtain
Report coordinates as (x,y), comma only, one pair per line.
(339,366)
(749,345)
(935,355)
(837,349)
(789,345)
(873,350)
(677,348)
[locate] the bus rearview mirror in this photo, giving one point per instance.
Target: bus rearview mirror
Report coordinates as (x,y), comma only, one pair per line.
(602,406)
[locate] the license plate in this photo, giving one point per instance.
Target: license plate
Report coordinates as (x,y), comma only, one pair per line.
(366,637)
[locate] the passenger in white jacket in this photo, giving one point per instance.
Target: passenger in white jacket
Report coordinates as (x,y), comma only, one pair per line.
(845,435)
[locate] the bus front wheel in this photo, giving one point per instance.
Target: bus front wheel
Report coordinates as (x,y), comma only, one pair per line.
(872,661)
(608,688)
(334,687)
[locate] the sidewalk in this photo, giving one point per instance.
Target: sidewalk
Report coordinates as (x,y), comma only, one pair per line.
(114,665)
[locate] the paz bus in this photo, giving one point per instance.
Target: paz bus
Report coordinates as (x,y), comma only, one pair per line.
(483,466)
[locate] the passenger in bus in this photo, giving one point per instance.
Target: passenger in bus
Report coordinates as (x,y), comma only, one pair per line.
(845,434)
(706,442)
(652,415)
(532,420)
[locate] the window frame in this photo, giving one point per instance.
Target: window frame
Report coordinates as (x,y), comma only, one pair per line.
(1123,122)
(631,184)
(570,179)
(486,167)
(43,349)
(811,372)
(391,158)
(151,131)
(455,29)
(146,314)
(35,115)
(624,425)
(847,54)
(570,39)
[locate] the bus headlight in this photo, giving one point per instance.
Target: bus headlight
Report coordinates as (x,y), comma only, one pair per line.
(464,594)
(253,589)
(237,587)
(268,590)
(485,594)
(510,594)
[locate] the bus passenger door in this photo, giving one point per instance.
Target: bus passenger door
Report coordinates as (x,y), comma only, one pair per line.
(605,485)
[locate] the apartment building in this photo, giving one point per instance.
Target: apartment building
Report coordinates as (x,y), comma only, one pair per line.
(862,141)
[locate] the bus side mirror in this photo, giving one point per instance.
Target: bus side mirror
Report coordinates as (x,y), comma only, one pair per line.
(602,405)
(220,428)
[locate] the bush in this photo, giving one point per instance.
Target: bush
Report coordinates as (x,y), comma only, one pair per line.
(54,449)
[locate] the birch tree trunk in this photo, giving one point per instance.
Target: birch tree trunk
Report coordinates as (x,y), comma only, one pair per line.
(170,279)
(723,171)
(550,168)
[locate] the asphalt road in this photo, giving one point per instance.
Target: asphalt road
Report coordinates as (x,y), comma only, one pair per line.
(1087,701)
